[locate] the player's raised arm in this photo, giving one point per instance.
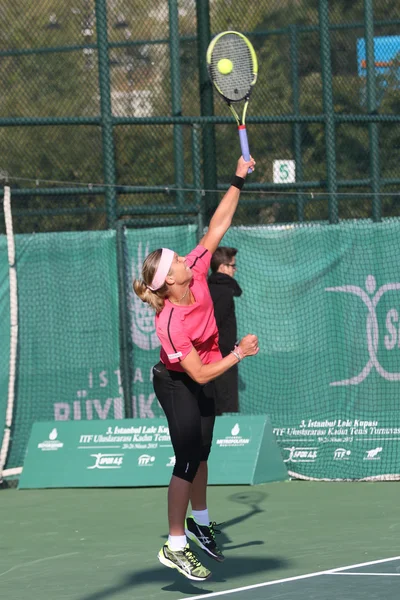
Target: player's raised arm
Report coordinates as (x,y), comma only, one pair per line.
(222,218)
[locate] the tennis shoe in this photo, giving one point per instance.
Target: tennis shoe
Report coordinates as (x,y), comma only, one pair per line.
(185,561)
(204,537)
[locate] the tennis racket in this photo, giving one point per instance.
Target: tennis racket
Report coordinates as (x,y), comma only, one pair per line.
(233,68)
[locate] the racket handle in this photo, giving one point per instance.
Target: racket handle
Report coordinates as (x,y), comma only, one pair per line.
(244,144)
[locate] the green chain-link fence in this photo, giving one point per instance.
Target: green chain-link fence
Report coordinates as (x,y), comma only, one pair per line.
(106,111)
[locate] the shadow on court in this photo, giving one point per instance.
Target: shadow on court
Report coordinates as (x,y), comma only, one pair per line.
(232,569)
(170,580)
(252,499)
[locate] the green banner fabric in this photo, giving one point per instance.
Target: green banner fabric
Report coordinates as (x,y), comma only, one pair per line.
(68,364)
(325,303)
(323,300)
(138,452)
(4,331)
(68,347)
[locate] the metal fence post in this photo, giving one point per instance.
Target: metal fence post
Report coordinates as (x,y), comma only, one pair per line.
(199,197)
(297,128)
(106,112)
(206,104)
(125,340)
(176,92)
(372,106)
(330,142)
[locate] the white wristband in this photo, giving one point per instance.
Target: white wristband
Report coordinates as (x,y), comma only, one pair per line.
(238,353)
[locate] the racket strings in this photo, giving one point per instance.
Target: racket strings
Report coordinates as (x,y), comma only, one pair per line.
(236,85)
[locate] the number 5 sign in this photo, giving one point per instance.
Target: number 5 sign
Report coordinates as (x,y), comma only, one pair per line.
(284,171)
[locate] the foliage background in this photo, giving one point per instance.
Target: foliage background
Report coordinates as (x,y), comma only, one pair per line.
(50,106)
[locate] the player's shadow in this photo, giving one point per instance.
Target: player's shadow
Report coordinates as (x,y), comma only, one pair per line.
(252,499)
(162,577)
(234,568)
(224,540)
(169,580)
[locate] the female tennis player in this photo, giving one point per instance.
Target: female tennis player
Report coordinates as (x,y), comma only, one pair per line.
(190,359)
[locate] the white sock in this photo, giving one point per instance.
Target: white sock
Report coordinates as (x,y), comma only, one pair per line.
(201,517)
(177,542)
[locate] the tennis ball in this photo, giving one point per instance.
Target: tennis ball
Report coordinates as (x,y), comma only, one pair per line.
(225,66)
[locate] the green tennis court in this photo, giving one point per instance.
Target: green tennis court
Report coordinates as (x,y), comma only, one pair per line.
(281,540)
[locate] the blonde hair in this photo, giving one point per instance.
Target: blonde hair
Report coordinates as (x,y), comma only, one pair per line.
(140,286)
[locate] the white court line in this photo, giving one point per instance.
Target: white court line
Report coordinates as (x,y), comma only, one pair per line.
(297,578)
(35,562)
(373,574)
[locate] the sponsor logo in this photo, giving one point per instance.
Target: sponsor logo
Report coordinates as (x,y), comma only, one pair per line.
(373,454)
(52,443)
(174,355)
(107,461)
(234,439)
(371,299)
(235,430)
(145,460)
(204,539)
(341,454)
(301,455)
(171,461)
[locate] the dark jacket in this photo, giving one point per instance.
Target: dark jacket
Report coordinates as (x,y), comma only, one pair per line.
(223,289)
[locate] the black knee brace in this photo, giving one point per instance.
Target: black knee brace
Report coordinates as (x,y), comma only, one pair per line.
(186,469)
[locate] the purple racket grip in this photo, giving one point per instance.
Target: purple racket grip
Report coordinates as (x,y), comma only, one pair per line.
(244,144)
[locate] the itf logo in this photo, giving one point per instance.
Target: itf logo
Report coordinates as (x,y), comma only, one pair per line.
(143,321)
(145,460)
(341,454)
(371,299)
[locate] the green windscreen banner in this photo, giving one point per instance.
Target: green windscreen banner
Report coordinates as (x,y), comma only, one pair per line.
(68,343)
(324,301)
(68,366)
(138,452)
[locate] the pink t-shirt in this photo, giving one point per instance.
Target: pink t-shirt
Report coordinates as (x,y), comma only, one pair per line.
(180,328)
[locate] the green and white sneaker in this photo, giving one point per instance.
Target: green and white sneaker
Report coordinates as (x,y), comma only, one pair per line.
(204,537)
(185,561)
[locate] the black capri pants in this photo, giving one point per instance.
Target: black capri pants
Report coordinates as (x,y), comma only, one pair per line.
(190,411)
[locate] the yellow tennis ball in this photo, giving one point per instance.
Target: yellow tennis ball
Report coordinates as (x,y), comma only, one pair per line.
(225,66)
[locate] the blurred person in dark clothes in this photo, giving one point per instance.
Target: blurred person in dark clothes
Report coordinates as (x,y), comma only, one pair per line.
(223,289)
